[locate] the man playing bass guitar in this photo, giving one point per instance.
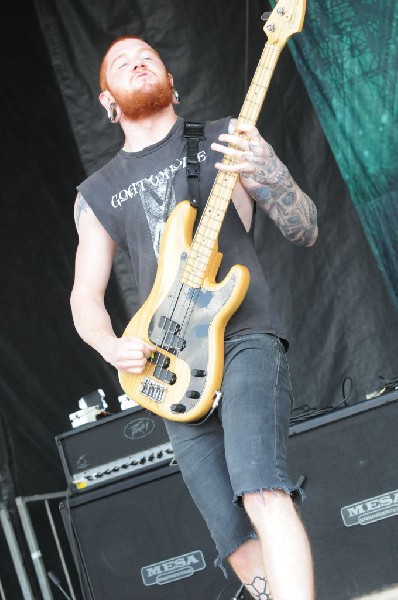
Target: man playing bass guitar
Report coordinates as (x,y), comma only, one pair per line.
(234,462)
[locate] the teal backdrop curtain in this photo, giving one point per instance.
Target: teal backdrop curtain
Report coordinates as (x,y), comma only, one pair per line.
(348,58)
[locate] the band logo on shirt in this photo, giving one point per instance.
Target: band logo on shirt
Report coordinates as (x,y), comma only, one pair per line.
(157,195)
(153,182)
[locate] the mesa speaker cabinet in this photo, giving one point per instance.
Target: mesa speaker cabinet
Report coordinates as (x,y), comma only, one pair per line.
(350,463)
(143,539)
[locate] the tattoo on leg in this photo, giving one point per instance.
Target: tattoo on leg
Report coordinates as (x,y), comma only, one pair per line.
(259,589)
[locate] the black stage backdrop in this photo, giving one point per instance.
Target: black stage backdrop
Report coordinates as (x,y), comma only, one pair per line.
(341,321)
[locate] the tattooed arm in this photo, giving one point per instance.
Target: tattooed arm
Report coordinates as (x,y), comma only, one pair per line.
(270,184)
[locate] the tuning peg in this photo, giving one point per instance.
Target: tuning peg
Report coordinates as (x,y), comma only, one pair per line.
(265,16)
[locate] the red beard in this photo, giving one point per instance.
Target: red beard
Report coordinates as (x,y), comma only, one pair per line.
(144,102)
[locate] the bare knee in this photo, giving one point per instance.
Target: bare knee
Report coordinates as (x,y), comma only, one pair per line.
(267,501)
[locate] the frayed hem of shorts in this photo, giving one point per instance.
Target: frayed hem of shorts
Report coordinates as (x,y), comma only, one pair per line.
(295,492)
(220,559)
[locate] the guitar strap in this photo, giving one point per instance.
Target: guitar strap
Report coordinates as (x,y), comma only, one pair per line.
(193,133)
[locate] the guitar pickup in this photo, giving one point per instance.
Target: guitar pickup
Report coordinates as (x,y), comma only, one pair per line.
(159,359)
(168,325)
(165,375)
(173,343)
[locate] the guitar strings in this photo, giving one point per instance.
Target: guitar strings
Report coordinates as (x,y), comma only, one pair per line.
(263,74)
(269,56)
(189,297)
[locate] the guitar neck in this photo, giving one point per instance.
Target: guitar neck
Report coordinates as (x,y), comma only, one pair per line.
(204,242)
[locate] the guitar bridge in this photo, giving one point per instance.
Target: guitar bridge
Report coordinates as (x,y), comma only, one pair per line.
(152,389)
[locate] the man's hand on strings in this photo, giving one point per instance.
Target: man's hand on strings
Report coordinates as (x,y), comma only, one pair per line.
(251,156)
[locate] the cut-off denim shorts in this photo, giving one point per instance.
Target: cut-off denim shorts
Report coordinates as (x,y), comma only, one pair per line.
(241,447)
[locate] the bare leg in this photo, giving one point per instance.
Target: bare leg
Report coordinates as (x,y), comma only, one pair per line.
(284,543)
(247,562)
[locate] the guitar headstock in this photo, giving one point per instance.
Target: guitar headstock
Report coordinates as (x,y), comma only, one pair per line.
(285,20)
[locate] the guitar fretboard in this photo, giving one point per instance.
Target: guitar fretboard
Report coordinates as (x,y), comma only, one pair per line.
(205,239)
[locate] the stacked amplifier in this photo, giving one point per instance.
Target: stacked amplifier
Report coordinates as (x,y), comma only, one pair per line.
(133,529)
(114,447)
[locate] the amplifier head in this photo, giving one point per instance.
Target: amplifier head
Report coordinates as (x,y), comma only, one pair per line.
(113,447)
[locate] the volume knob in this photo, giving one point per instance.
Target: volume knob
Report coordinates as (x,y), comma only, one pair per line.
(192,394)
(198,373)
(178,408)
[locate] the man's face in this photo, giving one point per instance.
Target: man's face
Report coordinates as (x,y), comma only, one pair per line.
(137,79)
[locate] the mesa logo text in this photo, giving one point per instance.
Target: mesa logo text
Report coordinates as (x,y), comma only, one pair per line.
(371,510)
(172,569)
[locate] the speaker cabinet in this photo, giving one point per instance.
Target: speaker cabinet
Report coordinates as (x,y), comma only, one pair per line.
(350,463)
(144,539)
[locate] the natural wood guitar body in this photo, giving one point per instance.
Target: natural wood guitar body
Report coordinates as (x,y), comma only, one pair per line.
(184,320)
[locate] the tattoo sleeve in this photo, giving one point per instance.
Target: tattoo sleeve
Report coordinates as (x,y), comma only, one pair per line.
(80,207)
(270,184)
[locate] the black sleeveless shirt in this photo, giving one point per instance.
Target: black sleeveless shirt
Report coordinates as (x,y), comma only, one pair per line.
(134,193)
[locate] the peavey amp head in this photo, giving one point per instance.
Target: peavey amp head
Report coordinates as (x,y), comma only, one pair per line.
(114,447)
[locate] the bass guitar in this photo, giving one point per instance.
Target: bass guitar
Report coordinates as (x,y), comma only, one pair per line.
(186,313)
